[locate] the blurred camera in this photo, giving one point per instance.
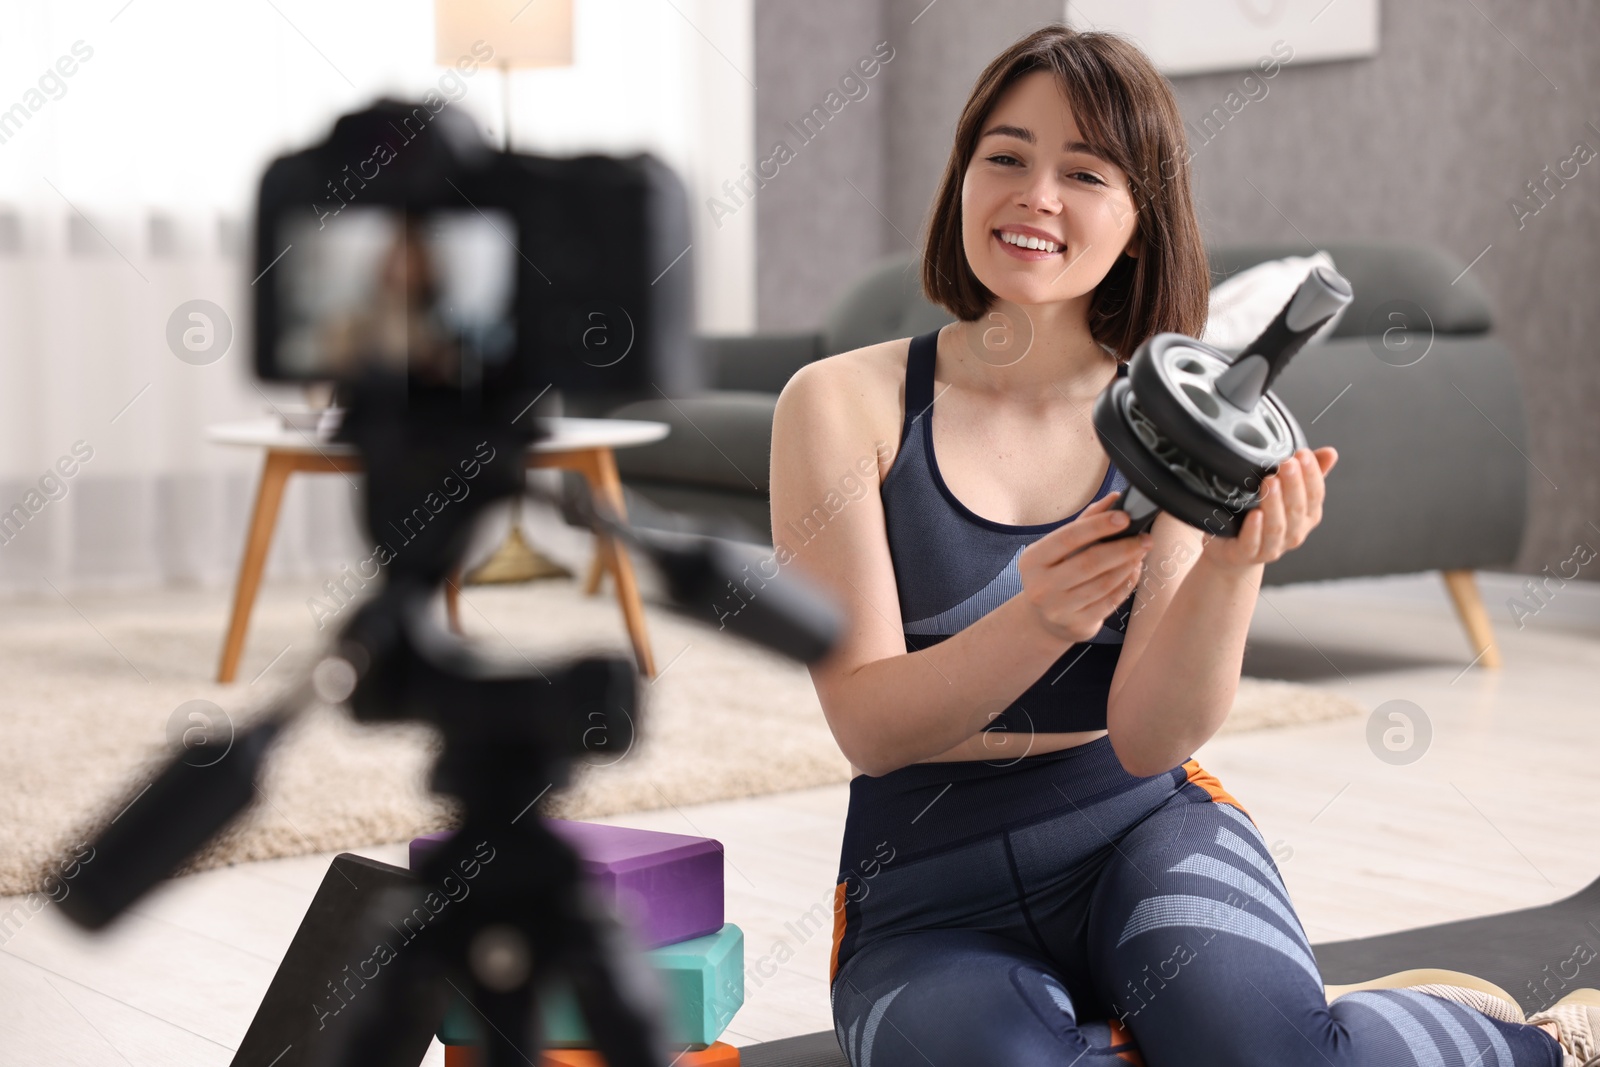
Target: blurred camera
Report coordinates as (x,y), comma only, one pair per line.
(403,246)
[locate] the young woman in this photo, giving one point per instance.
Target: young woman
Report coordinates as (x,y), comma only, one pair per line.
(1029,847)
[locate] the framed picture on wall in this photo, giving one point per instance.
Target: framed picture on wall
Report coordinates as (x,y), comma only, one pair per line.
(1195,36)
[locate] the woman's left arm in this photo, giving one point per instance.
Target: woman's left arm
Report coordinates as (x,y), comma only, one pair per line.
(1191,615)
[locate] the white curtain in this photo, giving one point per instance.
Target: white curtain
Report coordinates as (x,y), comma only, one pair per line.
(131,138)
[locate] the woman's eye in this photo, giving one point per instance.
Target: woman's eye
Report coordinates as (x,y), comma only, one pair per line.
(1091,179)
(1003,159)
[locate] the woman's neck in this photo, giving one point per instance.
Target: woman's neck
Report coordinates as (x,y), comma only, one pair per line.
(1041,353)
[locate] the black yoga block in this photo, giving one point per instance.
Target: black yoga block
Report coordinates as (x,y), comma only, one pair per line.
(303,1008)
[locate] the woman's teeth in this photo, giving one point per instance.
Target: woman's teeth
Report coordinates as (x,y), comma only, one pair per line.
(1024,241)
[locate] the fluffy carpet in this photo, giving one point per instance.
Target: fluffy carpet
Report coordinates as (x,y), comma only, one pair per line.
(94,683)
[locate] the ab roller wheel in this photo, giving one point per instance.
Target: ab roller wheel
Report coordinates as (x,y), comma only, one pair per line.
(1175,379)
(1195,431)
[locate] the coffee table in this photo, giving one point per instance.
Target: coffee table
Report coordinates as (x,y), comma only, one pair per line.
(582,445)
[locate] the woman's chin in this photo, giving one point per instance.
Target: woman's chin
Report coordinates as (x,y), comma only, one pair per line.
(1008,293)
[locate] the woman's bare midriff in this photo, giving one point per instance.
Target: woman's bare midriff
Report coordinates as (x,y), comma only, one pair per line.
(995,745)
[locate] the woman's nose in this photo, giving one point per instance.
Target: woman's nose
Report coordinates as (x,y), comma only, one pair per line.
(1041,194)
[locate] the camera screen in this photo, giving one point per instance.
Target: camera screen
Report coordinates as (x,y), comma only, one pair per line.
(428,295)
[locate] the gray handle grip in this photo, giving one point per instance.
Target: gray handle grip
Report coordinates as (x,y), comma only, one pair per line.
(1322,294)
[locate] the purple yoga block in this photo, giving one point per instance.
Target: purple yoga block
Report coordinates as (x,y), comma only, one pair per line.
(668,887)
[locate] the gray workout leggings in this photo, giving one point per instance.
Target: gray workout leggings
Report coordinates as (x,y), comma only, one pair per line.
(1128,918)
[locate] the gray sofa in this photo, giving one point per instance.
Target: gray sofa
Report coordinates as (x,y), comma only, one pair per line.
(1431,474)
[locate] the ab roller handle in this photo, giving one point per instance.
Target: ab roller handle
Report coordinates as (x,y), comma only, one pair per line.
(1142,512)
(1197,432)
(1321,295)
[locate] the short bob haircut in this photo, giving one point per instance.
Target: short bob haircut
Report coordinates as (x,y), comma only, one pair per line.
(1127,111)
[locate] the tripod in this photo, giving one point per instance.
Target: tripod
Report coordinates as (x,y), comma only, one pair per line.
(509,736)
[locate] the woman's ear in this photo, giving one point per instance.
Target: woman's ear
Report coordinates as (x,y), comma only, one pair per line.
(1135,246)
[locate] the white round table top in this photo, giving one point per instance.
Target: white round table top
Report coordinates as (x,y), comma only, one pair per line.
(567,434)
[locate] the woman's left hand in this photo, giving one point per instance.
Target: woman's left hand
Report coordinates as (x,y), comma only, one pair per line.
(1291,507)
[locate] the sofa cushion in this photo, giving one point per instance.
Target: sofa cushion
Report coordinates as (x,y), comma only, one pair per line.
(761,363)
(721,439)
(1379,272)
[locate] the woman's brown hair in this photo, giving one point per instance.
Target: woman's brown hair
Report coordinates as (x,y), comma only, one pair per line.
(1126,110)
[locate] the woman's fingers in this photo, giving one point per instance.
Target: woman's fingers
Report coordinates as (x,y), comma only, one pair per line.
(1272,520)
(1112,594)
(1293,483)
(1103,590)
(1249,539)
(1096,522)
(1105,569)
(1316,484)
(1290,508)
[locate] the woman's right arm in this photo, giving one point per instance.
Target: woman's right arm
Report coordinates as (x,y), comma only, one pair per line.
(886,707)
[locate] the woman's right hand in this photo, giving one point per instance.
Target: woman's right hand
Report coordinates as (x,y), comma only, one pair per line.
(1072,580)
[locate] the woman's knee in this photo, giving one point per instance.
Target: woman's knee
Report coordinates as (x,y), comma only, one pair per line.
(955,996)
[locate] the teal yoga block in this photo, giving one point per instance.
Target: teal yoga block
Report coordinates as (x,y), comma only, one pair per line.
(702,980)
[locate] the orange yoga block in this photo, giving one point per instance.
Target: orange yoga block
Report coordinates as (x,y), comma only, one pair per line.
(717,1054)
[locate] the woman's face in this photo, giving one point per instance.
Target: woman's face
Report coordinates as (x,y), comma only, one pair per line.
(1032,176)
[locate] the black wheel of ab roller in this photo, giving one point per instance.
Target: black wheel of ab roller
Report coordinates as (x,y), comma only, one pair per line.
(1175,380)
(1154,466)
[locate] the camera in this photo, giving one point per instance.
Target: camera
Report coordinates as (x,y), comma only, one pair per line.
(403,246)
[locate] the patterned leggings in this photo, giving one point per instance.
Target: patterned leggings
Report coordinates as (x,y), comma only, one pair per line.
(1125,918)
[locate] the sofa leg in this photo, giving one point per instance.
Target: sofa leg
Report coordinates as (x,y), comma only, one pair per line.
(1463,586)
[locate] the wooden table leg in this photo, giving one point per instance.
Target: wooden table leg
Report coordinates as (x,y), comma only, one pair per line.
(269,495)
(597,573)
(1463,586)
(601,470)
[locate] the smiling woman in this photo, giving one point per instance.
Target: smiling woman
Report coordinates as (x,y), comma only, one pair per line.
(1135,244)
(1098,898)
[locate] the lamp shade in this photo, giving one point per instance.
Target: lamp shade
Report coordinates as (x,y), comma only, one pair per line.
(523,33)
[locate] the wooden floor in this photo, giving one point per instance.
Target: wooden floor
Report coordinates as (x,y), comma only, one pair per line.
(1500,811)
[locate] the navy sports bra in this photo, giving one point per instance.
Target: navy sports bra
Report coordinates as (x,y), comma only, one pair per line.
(953,567)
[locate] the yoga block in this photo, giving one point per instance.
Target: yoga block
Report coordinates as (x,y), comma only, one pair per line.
(702,979)
(717,1055)
(303,1009)
(668,887)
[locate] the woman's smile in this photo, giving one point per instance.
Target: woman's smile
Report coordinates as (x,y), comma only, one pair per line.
(1028,244)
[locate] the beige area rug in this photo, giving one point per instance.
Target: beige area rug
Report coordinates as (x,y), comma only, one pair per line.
(91,686)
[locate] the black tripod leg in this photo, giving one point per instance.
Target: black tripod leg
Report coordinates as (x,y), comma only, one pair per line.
(621,998)
(507,1020)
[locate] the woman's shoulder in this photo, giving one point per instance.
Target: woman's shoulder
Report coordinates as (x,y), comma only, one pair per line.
(863,387)
(867,380)
(885,360)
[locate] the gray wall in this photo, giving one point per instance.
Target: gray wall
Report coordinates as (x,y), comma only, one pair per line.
(1430,140)
(816,221)
(814,231)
